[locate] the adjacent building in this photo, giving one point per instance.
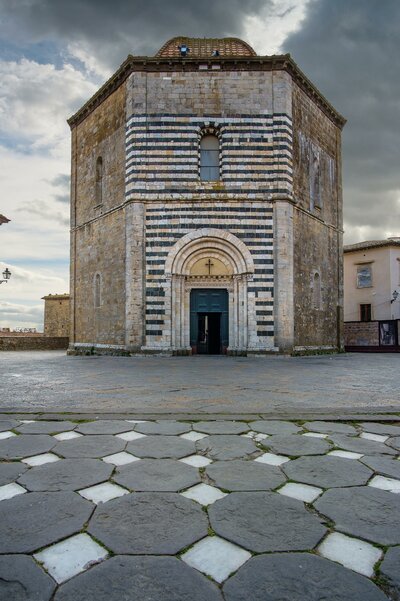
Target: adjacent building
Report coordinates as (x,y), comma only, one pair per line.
(372,294)
(56,315)
(206,207)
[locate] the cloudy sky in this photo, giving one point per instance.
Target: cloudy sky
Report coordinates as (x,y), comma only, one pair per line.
(54,54)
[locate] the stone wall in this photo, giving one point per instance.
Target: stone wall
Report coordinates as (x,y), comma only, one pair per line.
(361,333)
(33,343)
(317,226)
(98,230)
(101,134)
(100,251)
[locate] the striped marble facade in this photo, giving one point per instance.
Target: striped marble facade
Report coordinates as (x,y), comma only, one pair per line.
(162,157)
(251,222)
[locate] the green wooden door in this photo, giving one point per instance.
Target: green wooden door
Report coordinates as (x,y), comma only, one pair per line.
(205,305)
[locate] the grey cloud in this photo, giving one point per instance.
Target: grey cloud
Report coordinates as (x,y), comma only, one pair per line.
(64,198)
(62,181)
(45,211)
(349,50)
(114,29)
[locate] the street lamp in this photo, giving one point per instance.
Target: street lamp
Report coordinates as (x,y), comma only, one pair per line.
(395,295)
(6,275)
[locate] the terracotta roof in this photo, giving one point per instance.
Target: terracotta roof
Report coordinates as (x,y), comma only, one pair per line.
(371,244)
(3,219)
(204,47)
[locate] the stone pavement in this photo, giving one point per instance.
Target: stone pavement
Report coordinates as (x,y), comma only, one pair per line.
(42,381)
(262,510)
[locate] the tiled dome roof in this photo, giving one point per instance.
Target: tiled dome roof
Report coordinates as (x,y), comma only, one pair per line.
(204,47)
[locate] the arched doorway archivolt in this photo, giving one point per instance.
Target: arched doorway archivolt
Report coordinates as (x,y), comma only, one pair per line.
(232,267)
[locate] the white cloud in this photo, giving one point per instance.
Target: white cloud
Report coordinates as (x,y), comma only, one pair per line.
(20,304)
(36,101)
(267,32)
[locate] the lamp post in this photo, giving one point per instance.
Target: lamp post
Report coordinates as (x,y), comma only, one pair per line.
(6,275)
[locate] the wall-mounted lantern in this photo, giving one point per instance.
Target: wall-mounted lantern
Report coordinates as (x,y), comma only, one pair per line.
(6,275)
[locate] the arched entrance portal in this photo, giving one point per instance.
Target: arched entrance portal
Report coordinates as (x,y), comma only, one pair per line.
(208,301)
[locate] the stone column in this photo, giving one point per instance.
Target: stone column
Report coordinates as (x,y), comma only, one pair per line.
(135,282)
(283,280)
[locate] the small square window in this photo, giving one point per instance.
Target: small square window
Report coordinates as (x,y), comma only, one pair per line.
(364,276)
(365,312)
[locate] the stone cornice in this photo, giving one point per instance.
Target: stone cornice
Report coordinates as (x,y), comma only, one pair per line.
(135,64)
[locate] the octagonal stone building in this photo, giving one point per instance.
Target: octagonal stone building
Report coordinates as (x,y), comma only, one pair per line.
(206,207)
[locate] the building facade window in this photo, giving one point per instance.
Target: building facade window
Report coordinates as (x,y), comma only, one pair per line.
(99,181)
(365,312)
(364,276)
(316,301)
(315,182)
(209,158)
(97,290)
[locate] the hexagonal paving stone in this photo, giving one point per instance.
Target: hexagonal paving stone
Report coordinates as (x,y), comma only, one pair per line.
(274,427)
(361,445)
(34,520)
(222,427)
(263,522)
(66,474)
(327,471)
(330,427)
(298,577)
(90,446)
(394,442)
(9,472)
(148,523)
(239,475)
(164,475)
(21,579)
(364,512)
(43,427)
(293,444)
(104,426)
(390,570)
(390,429)
(382,465)
(166,427)
(161,447)
(144,578)
(8,424)
(25,445)
(226,447)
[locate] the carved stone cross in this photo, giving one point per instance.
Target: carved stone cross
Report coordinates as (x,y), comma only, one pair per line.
(209,265)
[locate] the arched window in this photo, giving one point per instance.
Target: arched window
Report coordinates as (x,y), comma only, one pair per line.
(97,290)
(209,158)
(99,181)
(315,183)
(316,291)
